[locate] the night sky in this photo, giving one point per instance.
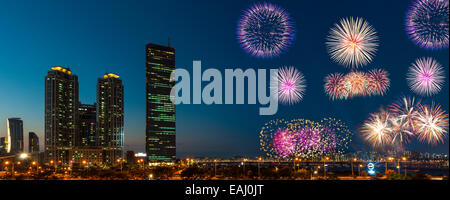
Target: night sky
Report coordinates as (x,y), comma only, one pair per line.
(93,37)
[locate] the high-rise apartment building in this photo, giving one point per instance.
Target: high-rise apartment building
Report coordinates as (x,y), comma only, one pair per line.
(160,111)
(61,107)
(110,117)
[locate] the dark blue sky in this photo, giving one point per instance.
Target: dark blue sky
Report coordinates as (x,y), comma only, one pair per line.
(93,37)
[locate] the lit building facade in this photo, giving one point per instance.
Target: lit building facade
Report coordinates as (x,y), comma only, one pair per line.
(33,143)
(61,107)
(14,142)
(2,145)
(110,117)
(160,111)
(93,156)
(87,125)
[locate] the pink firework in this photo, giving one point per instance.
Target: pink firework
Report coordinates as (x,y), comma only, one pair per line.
(425,77)
(378,81)
(334,86)
(291,85)
(284,142)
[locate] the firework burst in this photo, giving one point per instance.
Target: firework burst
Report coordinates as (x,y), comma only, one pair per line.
(284,142)
(265,30)
(404,112)
(432,124)
(339,86)
(357,83)
(378,81)
(352,43)
(427,23)
(335,87)
(291,85)
(377,129)
(425,77)
(304,138)
(406,119)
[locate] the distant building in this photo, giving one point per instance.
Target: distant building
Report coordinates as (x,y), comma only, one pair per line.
(160,111)
(61,107)
(87,125)
(2,145)
(130,157)
(14,138)
(110,116)
(33,143)
(92,155)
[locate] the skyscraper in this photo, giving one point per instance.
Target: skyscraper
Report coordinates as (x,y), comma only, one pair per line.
(33,143)
(61,107)
(160,111)
(110,116)
(87,125)
(15,135)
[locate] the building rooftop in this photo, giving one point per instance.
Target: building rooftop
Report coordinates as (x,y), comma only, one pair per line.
(62,69)
(110,75)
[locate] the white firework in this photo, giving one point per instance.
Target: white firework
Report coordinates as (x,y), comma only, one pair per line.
(352,43)
(291,85)
(426,77)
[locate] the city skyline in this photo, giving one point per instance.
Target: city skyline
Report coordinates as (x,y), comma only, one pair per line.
(114,47)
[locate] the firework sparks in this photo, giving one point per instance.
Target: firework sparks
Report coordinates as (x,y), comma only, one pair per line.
(378,81)
(352,43)
(432,124)
(334,86)
(265,30)
(357,83)
(404,113)
(427,23)
(425,77)
(291,85)
(406,119)
(339,86)
(377,129)
(304,138)
(284,142)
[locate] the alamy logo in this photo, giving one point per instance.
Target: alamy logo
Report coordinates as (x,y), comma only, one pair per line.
(234,82)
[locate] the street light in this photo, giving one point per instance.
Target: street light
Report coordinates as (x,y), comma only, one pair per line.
(359,169)
(404,160)
(215,168)
(35,163)
(354,160)
(259,170)
(120,161)
(243,163)
(324,167)
(23,156)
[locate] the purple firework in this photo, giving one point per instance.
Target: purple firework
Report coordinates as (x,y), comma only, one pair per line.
(427,23)
(265,30)
(284,142)
(308,139)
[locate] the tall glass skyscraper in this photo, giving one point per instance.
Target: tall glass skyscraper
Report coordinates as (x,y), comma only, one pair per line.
(61,106)
(110,117)
(15,135)
(160,111)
